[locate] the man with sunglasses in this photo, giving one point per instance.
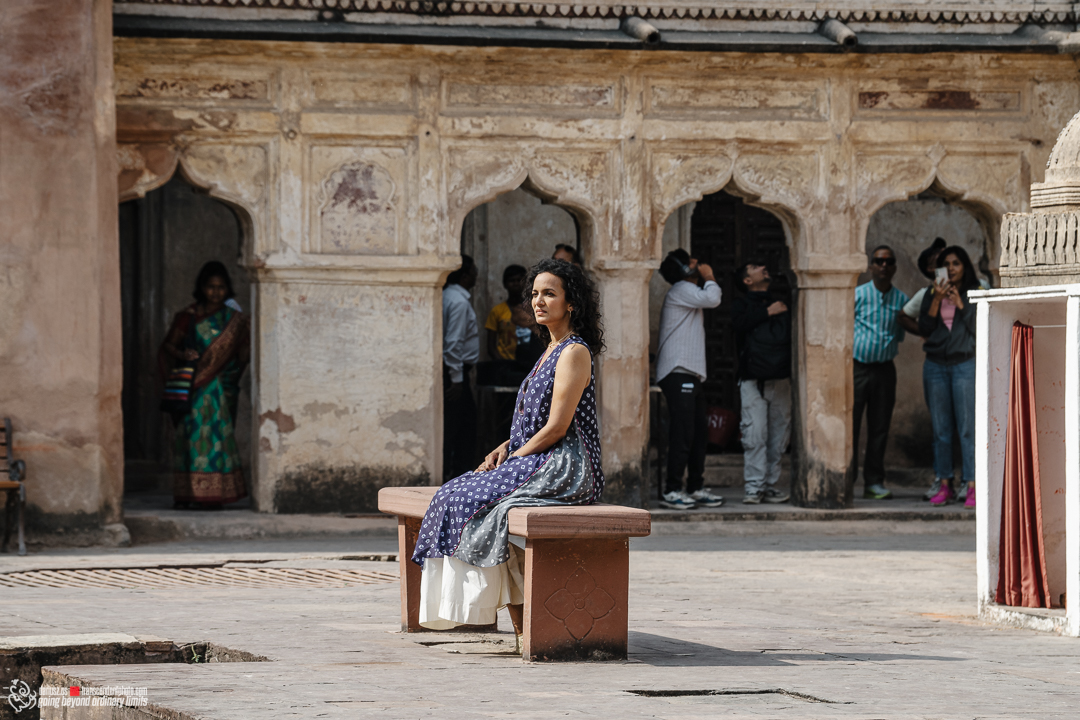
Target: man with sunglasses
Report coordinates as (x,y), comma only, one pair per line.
(877,340)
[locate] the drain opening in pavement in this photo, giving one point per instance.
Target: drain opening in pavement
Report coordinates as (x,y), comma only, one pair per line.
(22,660)
(231,575)
(735,691)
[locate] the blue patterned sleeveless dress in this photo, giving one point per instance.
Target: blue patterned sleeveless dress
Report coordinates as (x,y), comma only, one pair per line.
(467,518)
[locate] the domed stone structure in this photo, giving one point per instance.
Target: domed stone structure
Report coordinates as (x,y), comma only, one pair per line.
(1041,247)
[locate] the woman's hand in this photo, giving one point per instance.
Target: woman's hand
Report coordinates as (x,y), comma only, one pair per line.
(191,355)
(495,458)
(954,297)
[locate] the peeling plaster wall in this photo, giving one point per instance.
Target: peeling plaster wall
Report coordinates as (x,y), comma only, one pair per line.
(60,353)
(356,166)
(351,409)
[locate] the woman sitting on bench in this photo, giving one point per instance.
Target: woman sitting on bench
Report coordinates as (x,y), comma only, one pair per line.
(470,567)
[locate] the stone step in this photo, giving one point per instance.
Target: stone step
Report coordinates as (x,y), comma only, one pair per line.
(726,471)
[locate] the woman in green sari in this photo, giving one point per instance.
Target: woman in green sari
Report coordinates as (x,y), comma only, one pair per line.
(212,337)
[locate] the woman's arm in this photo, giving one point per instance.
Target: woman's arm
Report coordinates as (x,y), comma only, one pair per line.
(572,374)
(173,345)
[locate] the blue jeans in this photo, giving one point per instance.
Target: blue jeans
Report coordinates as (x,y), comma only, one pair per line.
(950,393)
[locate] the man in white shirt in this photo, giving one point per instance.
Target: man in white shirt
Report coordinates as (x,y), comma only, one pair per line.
(680,370)
(461,350)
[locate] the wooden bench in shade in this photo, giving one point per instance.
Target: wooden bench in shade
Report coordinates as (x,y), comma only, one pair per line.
(577,571)
(12,481)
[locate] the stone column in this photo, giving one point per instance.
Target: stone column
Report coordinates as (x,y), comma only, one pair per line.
(624,380)
(821,415)
(60,338)
(348,367)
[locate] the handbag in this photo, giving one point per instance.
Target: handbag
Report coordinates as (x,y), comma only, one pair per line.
(176,398)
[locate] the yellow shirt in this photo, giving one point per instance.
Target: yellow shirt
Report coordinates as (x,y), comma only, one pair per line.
(498,321)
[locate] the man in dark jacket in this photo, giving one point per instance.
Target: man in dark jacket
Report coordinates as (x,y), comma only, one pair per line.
(762,326)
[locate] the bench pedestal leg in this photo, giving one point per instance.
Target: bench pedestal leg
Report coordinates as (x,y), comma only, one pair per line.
(576,599)
(408,531)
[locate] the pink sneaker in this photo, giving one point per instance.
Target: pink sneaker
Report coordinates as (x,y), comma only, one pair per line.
(944,496)
(969,501)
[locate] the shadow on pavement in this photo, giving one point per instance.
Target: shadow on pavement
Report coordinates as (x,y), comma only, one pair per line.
(663,651)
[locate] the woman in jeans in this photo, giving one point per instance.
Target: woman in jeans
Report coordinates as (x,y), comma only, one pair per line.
(947,321)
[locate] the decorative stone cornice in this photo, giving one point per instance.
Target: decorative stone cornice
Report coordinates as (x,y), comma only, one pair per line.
(690,11)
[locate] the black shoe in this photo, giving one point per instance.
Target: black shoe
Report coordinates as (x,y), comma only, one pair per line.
(772,495)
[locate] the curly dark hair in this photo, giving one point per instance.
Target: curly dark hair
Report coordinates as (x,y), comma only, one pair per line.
(582,296)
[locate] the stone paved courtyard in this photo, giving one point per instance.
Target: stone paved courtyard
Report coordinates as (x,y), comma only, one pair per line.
(774,626)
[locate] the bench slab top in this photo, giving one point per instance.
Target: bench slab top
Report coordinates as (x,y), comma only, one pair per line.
(557,521)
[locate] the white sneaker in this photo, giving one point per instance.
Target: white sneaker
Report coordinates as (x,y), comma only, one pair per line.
(704,498)
(677,500)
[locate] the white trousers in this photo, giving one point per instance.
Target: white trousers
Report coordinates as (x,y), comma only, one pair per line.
(455,593)
(766,430)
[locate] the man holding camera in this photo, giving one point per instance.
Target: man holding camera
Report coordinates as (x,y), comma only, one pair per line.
(680,371)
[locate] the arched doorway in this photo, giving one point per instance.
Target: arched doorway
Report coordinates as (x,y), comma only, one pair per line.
(516,228)
(165,237)
(909,227)
(724,231)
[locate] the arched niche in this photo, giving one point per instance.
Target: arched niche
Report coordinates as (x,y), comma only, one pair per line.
(517,227)
(909,226)
(167,231)
(724,228)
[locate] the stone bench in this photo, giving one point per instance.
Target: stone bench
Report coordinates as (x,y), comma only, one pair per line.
(577,568)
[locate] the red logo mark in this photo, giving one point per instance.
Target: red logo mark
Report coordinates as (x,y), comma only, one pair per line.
(74,691)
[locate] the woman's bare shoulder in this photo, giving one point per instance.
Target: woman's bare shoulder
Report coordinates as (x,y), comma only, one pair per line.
(576,356)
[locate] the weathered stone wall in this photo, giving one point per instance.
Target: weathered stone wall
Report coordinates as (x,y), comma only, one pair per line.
(60,356)
(358,164)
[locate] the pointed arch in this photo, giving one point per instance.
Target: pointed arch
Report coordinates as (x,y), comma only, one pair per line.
(575,182)
(148,167)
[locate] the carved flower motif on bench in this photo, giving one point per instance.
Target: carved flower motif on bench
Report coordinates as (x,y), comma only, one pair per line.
(579,603)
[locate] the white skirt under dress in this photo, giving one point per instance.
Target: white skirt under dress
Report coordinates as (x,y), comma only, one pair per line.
(455,593)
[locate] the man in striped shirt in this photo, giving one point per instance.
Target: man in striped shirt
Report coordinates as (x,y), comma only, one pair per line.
(877,340)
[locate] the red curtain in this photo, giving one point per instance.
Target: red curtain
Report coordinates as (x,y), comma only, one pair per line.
(1022,558)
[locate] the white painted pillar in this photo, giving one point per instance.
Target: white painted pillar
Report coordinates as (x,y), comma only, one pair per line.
(986,569)
(1072,466)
